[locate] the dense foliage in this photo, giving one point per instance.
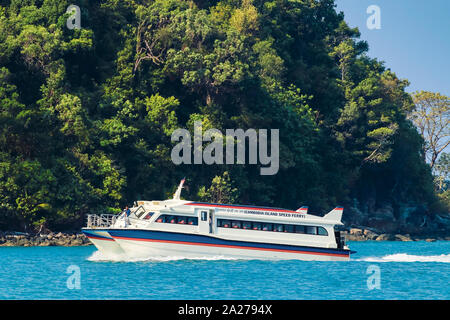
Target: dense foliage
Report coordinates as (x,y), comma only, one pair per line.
(86,115)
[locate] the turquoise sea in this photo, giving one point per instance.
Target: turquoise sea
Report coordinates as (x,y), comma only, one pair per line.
(379,270)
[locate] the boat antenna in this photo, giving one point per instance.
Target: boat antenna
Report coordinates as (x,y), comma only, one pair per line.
(177,194)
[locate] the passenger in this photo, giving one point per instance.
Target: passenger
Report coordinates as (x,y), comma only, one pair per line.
(181,220)
(211,224)
(256,226)
(173,220)
(226,224)
(191,221)
(127,212)
(278,228)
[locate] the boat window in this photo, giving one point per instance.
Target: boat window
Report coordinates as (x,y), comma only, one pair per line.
(256,226)
(149,215)
(322,231)
(236,224)
(139,212)
(223,223)
(278,228)
(311,230)
(204,215)
(172,219)
(275,227)
(246,225)
(288,228)
(164,218)
(192,221)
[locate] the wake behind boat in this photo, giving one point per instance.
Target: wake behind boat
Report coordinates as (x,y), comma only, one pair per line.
(191,229)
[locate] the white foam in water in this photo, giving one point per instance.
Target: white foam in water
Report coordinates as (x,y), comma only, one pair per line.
(98,256)
(404,257)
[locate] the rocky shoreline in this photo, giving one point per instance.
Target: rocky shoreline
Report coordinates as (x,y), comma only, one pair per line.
(363,234)
(18,239)
(72,239)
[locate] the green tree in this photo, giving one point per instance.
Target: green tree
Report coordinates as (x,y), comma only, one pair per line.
(221,190)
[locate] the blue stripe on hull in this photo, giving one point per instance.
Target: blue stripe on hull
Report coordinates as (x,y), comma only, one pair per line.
(183,238)
(93,234)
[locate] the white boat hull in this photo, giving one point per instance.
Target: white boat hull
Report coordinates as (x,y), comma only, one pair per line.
(143,249)
(104,242)
(147,244)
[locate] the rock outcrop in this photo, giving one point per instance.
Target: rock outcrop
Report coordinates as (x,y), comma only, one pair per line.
(15,239)
(403,219)
(361,233)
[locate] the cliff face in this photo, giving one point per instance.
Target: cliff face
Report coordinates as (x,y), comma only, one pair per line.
(405,218)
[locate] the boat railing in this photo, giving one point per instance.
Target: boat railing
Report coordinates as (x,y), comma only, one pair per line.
(101,220)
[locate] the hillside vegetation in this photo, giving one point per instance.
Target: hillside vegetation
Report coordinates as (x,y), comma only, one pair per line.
(86,115)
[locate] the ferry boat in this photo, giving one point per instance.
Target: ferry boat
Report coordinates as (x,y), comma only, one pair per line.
(190,229)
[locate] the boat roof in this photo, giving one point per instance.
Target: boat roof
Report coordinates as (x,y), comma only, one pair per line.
(238,206)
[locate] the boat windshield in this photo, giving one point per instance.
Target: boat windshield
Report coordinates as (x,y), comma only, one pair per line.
(139,212)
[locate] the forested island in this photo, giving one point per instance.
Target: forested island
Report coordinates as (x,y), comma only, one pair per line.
(86,114)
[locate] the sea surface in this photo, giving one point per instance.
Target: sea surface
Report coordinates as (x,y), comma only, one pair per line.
(379,270)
